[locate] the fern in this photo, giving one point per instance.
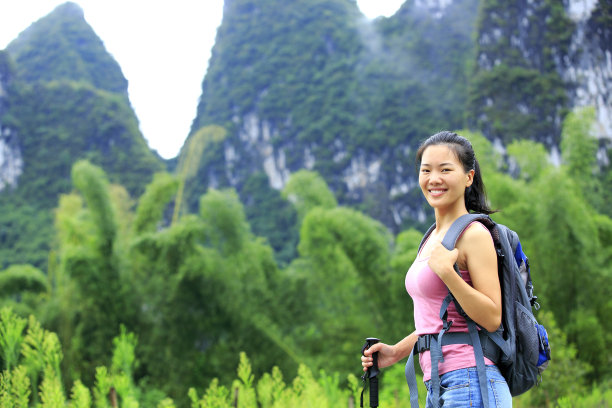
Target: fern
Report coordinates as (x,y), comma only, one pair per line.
(32,348)
(166,403)
(124,356)
(51,392)
(11,337)
(20,387)
(6,400)
(102,388)
(80,397)
(217,396)
(193,397)
(270,388)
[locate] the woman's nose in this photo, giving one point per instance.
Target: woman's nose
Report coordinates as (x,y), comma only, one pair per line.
(434,177)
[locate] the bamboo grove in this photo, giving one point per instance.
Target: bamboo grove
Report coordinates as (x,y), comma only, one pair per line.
(144,304)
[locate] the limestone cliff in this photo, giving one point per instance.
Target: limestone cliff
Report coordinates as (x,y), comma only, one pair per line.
(11,163)
(538,59)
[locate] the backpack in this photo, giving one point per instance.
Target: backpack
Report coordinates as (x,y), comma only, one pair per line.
(519,347)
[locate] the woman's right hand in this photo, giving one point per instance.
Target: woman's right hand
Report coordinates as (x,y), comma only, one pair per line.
(386,356)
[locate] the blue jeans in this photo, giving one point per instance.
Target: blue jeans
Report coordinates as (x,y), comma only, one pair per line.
(460,389)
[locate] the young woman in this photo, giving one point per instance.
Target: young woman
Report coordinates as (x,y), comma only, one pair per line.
(450,179)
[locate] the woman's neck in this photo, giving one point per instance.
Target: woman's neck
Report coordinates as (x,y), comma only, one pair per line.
(444,219)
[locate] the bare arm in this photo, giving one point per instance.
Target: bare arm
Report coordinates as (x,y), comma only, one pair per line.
(389,355)
(476,253)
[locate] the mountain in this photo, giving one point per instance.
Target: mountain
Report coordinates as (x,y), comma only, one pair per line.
(536,61)
(63,46)
(62,98)
(306,84)
(313,84)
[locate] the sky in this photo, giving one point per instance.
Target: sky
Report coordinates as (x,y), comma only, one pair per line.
(164,92)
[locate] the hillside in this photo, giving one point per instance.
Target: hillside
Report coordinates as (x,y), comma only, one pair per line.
(63,98)
(318,86)
(310,85)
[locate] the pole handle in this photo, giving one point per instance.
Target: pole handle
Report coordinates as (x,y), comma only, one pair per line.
(371,373)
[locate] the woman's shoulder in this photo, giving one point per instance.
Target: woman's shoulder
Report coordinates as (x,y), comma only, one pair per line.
(476,235)
(476,243)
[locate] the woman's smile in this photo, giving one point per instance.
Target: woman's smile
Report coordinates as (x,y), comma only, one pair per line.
(436,192)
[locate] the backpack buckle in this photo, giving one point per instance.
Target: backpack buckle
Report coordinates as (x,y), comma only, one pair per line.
(423,343)
(446,325)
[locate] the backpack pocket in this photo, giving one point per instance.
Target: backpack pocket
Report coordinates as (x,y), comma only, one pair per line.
(524,371)
(528,339)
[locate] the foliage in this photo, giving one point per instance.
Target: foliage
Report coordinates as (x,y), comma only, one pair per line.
(271,216)
(152,203)
(317,87)
(600,24)
(568,242)
(189,159)
(63,98)
(516,91)
(307,190)
(515,102)
(25,233)
(150,311)
(559,388)
(65,32)
(11,328)
(63,121)
(17,279)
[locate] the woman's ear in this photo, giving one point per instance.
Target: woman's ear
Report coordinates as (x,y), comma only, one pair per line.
(470,178)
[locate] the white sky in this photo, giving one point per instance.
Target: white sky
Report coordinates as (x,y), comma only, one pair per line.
(162,47)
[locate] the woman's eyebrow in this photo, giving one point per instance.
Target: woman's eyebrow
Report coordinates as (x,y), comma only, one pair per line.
(439,165)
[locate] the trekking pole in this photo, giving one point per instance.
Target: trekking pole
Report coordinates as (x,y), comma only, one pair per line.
(371,373)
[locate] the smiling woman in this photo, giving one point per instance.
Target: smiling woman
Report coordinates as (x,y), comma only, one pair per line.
(450,179)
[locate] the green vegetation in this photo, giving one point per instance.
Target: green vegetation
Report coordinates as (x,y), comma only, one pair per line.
(63,46)
(59,121)
(63,98)
(176,304)
(314,77)
(516,91)
(122,284)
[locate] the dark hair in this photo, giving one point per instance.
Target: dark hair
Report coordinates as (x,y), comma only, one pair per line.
(475,195)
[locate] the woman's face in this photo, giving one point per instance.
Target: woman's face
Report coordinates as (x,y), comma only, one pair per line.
(442,178)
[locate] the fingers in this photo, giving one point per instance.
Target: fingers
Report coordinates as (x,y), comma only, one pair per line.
(373,349)
(366,359)
(366,362)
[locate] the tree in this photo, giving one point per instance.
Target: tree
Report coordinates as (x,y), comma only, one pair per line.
(306,190)
(344,267)
(89,271)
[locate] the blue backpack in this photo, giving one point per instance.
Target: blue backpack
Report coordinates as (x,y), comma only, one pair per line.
(519,347)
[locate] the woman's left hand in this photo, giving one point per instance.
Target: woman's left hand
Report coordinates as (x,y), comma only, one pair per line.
(441,260)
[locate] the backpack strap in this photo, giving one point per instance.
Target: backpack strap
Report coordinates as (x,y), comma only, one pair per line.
(460,224)
(426,235)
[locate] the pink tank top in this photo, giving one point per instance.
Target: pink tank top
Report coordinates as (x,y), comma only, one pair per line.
(428,291)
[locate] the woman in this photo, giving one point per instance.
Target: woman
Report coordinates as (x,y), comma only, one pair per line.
(450,179)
